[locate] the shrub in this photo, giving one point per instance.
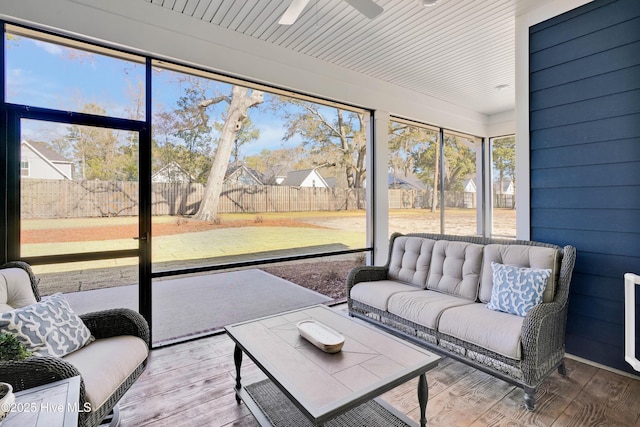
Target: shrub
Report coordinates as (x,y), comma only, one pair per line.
(11,348)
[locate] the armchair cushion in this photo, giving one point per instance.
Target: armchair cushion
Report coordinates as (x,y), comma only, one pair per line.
(48,328)
(15,289)
(106,364)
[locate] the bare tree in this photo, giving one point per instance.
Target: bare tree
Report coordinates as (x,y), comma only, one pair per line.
(241,100)
(334,135)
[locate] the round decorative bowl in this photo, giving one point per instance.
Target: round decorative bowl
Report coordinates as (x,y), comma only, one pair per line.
(7,399)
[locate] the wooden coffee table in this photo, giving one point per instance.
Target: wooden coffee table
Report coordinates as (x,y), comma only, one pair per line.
(307,386)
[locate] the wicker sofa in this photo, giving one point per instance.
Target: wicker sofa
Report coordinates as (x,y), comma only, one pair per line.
(435,291)
(108,365)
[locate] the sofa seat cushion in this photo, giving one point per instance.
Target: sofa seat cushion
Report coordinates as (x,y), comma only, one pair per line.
(410,259)
(455,268)
(537,257)
(107,363)
(376,294)
(494,330)
(423,307)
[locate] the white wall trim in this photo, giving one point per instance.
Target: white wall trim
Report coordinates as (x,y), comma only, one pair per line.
(501,124)
(380,209)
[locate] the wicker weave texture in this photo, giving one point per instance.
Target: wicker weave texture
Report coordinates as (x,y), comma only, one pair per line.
(36,371)
(281,412)
(543,331)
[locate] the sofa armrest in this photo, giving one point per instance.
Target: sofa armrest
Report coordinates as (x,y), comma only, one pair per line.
(543,338)
(365,274)
(36,371)
(115,322)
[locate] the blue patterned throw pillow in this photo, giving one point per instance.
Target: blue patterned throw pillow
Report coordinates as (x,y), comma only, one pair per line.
(517,289)
(47,328)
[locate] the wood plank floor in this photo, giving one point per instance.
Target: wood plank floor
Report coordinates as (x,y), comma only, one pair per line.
(191,384)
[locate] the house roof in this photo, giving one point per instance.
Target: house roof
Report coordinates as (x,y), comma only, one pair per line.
(506,184)
(469,185)
(396,179)
(43,151)
(296,178)
(47,152)
(172,167)
(234,169)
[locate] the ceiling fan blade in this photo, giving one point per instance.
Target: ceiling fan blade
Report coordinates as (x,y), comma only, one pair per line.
(367,7)
(293,11)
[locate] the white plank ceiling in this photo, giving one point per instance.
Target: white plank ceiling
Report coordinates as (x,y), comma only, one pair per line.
(460,51)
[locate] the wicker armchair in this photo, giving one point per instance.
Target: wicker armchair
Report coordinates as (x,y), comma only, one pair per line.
(109,327)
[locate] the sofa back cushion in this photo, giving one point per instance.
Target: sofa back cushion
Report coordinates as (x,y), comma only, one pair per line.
(15,289)
(455,268)
(410,260)
(537,257)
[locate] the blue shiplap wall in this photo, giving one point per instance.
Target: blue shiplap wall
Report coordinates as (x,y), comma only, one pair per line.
(585,162)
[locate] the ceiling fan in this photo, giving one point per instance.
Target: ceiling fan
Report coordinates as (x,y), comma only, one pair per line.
(367,7)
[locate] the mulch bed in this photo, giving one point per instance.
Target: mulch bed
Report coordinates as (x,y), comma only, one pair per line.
(326,277)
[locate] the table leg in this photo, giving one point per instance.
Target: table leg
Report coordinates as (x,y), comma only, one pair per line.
(423,397)
(237,358)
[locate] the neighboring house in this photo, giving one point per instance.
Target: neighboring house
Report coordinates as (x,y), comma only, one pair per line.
(243,175)
(39,161)
(172,172)
(332,182)
(398,181)
(275,174)
(305,178)
(469,186)
(507,187)
(504,195)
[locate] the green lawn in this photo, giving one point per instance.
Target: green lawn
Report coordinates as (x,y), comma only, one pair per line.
(340,230)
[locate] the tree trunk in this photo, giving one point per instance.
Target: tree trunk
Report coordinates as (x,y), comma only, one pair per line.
(240,103)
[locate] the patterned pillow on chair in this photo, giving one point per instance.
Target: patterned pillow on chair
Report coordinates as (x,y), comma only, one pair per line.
(517,290)
(47,328)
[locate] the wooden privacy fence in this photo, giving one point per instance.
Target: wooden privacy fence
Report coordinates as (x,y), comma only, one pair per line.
(45,198)
(422,199)
(76,199)
(504,201)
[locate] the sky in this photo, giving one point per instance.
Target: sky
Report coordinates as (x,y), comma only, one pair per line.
(51,76)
